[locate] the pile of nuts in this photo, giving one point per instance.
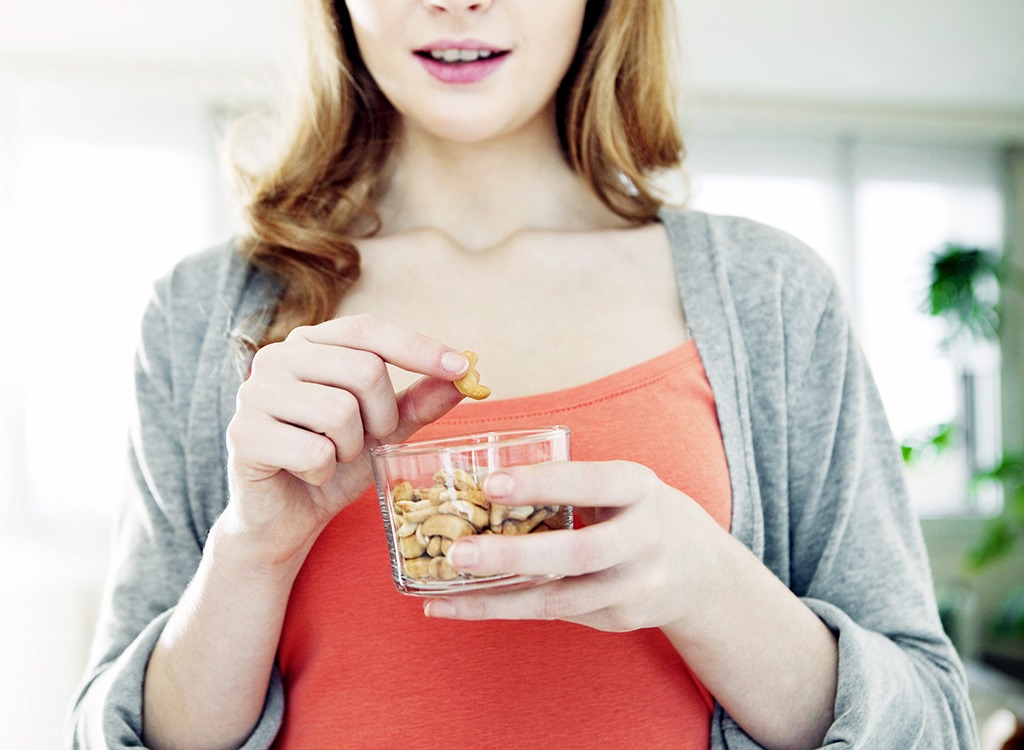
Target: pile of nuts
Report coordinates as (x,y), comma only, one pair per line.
(429,519)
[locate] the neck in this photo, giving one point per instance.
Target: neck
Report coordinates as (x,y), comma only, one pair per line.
(481,194)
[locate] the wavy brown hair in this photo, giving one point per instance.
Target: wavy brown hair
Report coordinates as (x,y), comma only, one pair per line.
(617,126)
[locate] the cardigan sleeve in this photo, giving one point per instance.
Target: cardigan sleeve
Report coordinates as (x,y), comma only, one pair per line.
(156,552)
(857,556)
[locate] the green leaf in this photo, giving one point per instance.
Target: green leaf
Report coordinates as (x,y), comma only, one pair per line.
(1015,506)
(929,443)
(1008,621)
(996,542)
(964,290)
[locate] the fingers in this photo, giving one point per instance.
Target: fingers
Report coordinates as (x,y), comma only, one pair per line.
(307,455)
(390,341)
(607,484)
(423,402)
(331,412)
(575,600)
(568,553)
(331,380)
(615,485)
(363,376)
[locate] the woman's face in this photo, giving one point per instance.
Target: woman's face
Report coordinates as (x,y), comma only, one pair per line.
(467,71)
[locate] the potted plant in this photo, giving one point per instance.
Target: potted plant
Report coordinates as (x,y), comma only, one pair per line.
(964,291)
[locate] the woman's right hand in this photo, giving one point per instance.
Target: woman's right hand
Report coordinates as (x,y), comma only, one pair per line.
(311,407)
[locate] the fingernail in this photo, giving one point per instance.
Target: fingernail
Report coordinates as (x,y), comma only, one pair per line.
(454,363)
(464,555)
(439,608)
(498,484)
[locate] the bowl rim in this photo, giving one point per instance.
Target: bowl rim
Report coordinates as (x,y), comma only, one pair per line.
(473,441)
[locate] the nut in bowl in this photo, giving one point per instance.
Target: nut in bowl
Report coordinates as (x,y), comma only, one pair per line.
(430,495)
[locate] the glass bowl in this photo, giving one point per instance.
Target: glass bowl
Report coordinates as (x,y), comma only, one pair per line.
(430,495)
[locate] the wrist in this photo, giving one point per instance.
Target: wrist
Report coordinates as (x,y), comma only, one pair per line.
(236,543)
(714,559)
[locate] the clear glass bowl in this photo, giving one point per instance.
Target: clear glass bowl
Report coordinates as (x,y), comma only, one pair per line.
(430,495)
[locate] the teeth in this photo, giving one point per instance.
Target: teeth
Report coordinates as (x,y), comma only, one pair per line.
(459,55)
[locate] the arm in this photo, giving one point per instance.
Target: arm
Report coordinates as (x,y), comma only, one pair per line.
(758,649)
(858,557)
(295,459)
(849,653)
(168,637)
(157,549)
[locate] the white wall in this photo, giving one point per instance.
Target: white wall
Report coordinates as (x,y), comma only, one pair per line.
(956,54)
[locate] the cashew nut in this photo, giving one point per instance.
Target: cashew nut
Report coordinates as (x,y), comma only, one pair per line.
(434,546)
(525,526)
(469,384)
(520,512)
(441,570)
(460,479)
(407,528)
(429,519)
(476,516)
(402,491)
(498,515)
(421,537)
(431,494)
(418,567)
(411,546)
(416,512)
(450,527)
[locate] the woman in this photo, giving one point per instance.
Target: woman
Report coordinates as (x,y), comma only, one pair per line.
(478,175)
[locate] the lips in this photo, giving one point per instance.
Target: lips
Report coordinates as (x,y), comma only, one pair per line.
(461,61)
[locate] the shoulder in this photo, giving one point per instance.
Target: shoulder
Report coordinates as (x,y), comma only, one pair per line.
(769,275)
(197,306)
(213,284)
(746,249)
(202,275)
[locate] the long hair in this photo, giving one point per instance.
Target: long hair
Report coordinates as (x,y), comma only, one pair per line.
(617,127)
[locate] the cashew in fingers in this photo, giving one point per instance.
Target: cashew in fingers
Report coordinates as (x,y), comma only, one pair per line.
(469,384)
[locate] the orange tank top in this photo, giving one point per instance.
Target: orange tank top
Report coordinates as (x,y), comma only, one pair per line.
(363,667)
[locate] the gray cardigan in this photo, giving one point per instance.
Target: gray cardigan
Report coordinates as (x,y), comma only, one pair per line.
(816,479)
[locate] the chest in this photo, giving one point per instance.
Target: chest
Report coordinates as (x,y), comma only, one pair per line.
(543,313)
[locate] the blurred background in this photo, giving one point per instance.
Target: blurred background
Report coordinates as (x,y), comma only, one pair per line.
(889,136)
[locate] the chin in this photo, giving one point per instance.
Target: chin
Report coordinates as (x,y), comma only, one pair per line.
(460,131)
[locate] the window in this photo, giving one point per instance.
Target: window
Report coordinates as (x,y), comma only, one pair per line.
(876,213)
(111,189)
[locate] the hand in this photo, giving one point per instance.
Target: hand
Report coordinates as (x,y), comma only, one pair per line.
(310,408)
(640,563)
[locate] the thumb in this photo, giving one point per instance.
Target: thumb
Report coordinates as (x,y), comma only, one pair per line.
(423,402)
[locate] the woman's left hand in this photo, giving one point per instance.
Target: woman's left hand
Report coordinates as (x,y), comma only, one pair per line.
(641,561)
(652,557)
